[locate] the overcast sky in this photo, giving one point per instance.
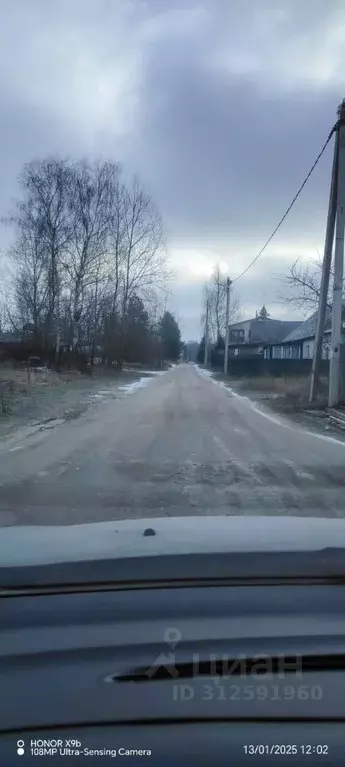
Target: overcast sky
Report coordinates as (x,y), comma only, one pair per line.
(221,106)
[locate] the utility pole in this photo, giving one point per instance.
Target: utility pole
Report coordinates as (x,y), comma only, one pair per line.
(334,369)
(326,268)
(206,336)
(227,315)
(335,218)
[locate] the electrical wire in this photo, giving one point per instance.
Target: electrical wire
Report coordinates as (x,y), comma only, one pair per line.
(290,206)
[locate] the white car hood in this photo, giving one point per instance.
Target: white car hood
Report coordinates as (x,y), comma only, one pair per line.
(36,545)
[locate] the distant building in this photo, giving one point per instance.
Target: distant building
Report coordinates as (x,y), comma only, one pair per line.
(250,338)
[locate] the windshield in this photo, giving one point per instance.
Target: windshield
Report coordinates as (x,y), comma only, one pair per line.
(172,328)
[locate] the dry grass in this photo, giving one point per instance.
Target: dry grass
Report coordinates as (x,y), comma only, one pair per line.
(279,385)
(48,393)
(283,392)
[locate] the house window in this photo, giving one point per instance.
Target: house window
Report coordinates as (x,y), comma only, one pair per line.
(307,351)
(237,336)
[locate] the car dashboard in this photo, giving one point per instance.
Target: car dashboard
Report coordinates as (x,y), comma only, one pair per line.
(180,670)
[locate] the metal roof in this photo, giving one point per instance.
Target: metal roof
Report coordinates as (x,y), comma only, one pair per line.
(267,331)
(270,331)
(307,329)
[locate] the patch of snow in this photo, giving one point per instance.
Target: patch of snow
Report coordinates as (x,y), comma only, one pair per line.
(155,372)
(143,381)
(129,388)
(260,411)
(205,373)
(146,372)
(280,421)
(104,393)
(305,475)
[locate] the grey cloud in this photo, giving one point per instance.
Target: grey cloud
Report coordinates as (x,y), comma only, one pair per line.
(223,157)
(25,133)
(186,304)
(223,147)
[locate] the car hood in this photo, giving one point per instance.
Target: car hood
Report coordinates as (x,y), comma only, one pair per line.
(38,545)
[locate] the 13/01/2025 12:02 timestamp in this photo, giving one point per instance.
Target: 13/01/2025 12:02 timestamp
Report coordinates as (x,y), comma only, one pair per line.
(282,749)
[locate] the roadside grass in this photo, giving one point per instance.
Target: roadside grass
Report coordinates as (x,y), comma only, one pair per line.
(282,393)
(53,395)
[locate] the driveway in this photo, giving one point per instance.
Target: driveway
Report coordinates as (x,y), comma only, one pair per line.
(180,445)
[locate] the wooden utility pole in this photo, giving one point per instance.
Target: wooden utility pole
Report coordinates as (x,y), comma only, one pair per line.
(326,268)
(337,303)
(227,314)
(336,217)
(206,336)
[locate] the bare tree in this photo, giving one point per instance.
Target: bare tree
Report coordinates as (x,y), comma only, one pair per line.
(88,249)
(112,298)
(217,303)
(215,295)
(96,308)
(30,281)
(302,286)
(117,237)
(144,263)
(42,211)
(90,205)
(143,253)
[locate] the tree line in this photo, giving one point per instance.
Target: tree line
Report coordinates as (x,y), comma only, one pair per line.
(89,265)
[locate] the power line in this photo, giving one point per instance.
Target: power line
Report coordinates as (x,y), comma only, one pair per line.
(290,206)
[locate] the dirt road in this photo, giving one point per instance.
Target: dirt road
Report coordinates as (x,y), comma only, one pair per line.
(181,445)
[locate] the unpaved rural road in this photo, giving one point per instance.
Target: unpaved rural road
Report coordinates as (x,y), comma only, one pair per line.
(182,445)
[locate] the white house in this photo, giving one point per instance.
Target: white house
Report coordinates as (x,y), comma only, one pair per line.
(299,344)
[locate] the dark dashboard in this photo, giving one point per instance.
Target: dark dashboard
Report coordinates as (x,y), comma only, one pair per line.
(172,671)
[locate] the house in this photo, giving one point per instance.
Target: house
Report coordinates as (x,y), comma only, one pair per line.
(250,337)
(299,344)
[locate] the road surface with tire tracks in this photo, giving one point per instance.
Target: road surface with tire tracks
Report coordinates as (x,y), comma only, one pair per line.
(181,445)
